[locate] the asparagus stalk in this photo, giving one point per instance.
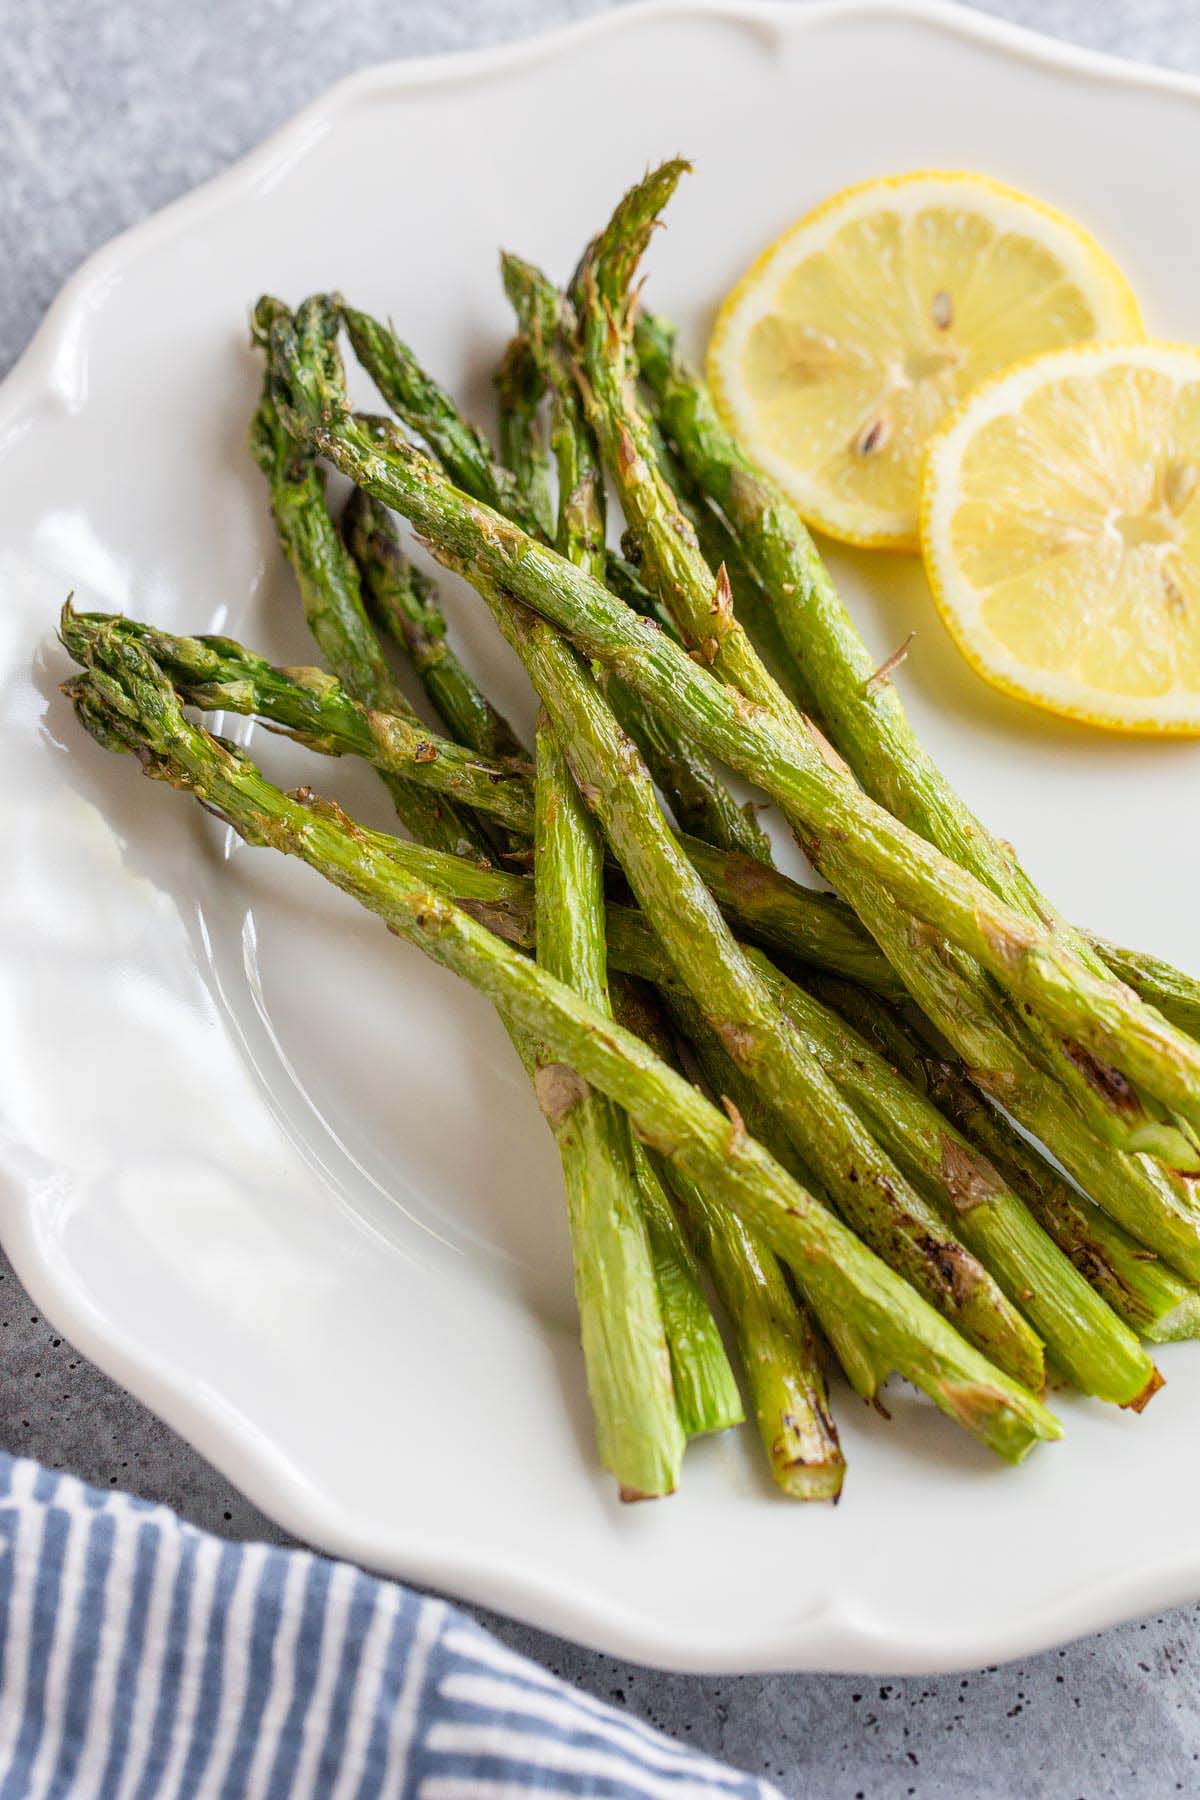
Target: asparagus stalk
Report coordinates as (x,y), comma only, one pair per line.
(219,675)
(868,724)
(569,876)
(403,602)
(520,389)
(215,673)
(700,800)
(1152,1300)
(640,1433)
(127,702)
(782,915)
(789,764)
(706,1393)
(429,412)
(329,589)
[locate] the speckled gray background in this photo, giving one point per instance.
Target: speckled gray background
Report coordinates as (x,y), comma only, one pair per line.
(107,112)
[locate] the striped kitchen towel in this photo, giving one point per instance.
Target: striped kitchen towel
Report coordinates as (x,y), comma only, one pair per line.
(141,1658)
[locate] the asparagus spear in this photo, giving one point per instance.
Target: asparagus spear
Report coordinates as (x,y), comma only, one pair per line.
(431,414)
(329,589)
(520,389)
(570,914)
(640,1433)
(404,603)
(217,674)
(778,1350)
(791,766)
(783,915)
(778,1365)
(700,800)
(127,701)
(1153,1301)
(866,719)
(706,1392)
(569,876)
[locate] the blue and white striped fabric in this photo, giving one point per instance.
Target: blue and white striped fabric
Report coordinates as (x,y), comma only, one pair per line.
(141,1658)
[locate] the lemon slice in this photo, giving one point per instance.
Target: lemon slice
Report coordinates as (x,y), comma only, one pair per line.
(850,340)
(1060,522)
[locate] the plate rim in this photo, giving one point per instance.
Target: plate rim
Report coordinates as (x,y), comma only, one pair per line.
(831,1639)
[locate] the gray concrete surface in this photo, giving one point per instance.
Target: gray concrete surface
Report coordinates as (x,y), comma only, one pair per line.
(107,113)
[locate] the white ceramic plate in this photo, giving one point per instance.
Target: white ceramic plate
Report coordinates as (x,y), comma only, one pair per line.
(284,1179)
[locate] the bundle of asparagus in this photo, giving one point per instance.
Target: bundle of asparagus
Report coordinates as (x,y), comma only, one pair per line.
(794,1093)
